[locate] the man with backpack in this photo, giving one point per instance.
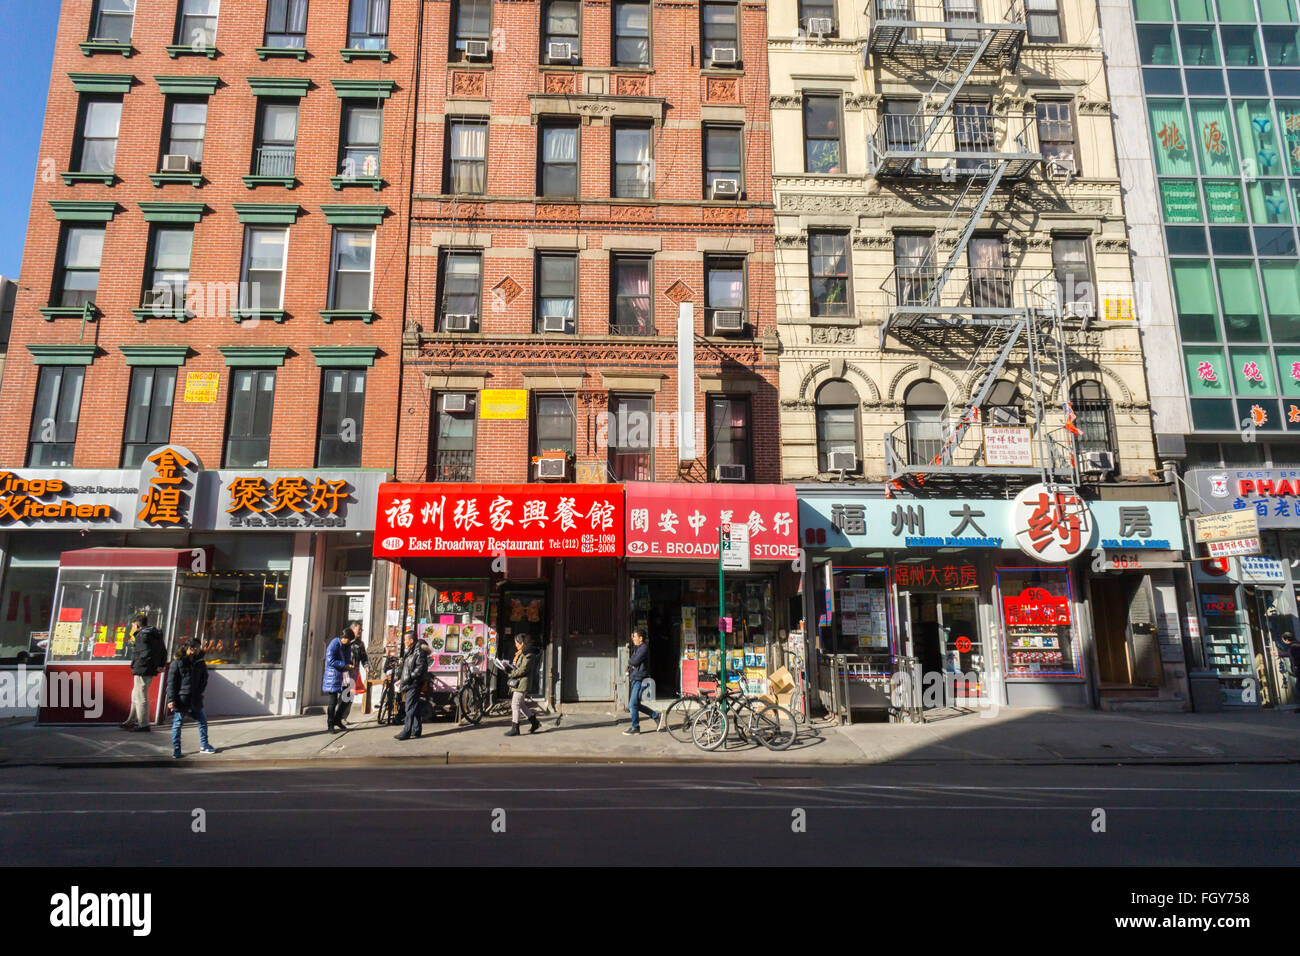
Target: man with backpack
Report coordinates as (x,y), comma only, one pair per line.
(148,657)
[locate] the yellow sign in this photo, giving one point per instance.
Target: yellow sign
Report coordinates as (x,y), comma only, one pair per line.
(503,404)
(1119,310)
(67,639)
(201,387)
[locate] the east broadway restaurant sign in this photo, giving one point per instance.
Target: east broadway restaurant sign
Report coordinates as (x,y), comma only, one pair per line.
(533,520)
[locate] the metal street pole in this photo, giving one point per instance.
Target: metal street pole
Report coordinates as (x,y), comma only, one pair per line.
(722,613)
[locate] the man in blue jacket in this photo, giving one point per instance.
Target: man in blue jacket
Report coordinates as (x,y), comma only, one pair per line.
(638,672)
(338,660)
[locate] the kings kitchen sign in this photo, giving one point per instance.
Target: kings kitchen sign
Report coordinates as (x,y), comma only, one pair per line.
(483,521)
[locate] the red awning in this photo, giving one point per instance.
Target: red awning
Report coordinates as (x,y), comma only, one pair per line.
(536,520)
(676,520)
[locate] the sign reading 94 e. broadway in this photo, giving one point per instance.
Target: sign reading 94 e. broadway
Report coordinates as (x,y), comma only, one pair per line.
(536,520)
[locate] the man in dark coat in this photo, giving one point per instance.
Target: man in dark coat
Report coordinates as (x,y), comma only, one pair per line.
(415,665)
(148,657)
(638,672)
(185,686)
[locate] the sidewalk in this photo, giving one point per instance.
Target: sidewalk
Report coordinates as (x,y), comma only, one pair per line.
(1012,737)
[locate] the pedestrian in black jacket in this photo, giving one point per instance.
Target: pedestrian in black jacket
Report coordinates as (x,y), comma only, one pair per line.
(638,672)
(415,665)
(148,657)
(185,686)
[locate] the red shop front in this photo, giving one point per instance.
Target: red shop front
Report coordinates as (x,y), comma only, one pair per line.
(492,562)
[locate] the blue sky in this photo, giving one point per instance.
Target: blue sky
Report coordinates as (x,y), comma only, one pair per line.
(30,26)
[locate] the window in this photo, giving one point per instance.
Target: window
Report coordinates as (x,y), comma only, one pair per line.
(467,157)
(821,134)
(559,160)
(729,441)
(553,427)
(148,413)
(810,10)
(169,266)
(990,279)
(973,132)
(719,35)
(78,277)
(262,285)
(451,445)
(962,11)
(633,170)
(914,267)
(277,138)
(828,273)
(724,287)
(630,431)
(461,274)
(353,257)
(1240,46)
(197,26)
(187,124)
(923,416)
(359,144)
(562,23)
(630,296)
(473,21)
(1044,21)
(342,414)
(112,21)
(722,157)
(1200,45)
(286,24)
(97,145)
(368,25)
(631,33)
(837,426)
(1092,410)
(902,125)
(557,289)
(1056,132)
(1073,274)
(54,416)
(248,426)
(1004,405)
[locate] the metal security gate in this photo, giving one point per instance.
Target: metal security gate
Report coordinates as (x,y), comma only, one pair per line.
(590,660)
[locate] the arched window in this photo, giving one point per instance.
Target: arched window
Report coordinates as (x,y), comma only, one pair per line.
(1004,406)
(923,410)
(838,428)
(1093,418)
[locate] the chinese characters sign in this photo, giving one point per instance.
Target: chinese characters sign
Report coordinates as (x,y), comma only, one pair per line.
(437,520)
(1035,607)
(168,486)
(1051,524)
(681,521)
(1007,446)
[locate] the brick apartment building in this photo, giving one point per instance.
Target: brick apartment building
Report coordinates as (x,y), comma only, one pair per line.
(586,174)
(215,263)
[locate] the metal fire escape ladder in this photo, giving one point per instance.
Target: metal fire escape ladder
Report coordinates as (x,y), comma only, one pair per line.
(990,374)
(973,55)
(972,223)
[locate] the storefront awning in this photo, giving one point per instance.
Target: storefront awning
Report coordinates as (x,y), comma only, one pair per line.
(676,520)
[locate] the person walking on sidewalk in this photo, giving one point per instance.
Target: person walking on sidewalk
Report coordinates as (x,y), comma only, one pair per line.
(185,686)
(415,665)
(148,657)
(1293,651)
(338,660)
(638,672)
(521,685)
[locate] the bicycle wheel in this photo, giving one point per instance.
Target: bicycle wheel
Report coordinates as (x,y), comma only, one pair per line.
(681,715)
(384,715)
(709,728)
(775,728)
(799,703)
(471,702)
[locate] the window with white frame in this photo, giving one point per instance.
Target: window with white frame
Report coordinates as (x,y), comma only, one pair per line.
(112,21)
(350,283)
(262,284)
(197,25)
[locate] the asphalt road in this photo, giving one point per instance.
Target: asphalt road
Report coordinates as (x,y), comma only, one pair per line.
(608,815)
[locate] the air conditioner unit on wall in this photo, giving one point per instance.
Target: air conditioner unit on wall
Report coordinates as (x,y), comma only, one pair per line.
(731,473)
(177,163)
(728,320)
(457,322)
(476,49)
(559,52)
(821,26)
(454,403)
(552,468)
(1061,168)
(723,56)
(726,188)
(1078,310)
(555,323)
(843,461)
(1098,462)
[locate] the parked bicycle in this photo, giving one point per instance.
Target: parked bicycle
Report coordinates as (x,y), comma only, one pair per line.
(771,725)
(680,716)
(390,704)
(477,696)
(798,696)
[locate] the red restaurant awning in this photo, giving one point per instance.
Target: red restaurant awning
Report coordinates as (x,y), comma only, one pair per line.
(676,520)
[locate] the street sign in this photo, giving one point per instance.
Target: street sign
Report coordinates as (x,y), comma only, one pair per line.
(735,547)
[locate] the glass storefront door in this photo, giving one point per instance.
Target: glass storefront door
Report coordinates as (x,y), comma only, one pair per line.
(943,635)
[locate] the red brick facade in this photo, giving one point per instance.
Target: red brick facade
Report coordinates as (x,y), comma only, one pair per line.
(219,235)
(510,224)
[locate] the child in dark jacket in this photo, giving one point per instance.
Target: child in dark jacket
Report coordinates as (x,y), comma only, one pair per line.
(185,686)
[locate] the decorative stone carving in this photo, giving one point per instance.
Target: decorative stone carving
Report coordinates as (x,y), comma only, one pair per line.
(560,84)
(556,211)
(679,292)
(469,83)
(783,102)
(833,335)
(461,210)
(724,89)
(635,213)
(863,101)
(1112,244)
(875,241)
(594,399)
(1093,107)
(636,85)
(507,289)
(723,214)
(796,240)
(595,110)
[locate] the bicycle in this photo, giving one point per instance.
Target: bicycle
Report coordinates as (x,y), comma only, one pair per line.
(681,714)
(473,689)
(798,696)
(389,706)
(771,725)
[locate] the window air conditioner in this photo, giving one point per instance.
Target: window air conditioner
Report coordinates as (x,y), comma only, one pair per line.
(555,323)
(1078,310)
(454,403)
(177,163)
(457,322)
(1098,462)
(476,49)
(723,56)
(1060,168)
(158,298)
(726,188)
(822,26)
(731,473)
(728,320)
(557,52)
(551,468)
(843,461)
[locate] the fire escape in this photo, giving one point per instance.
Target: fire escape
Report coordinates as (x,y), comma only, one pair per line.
(950,149)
